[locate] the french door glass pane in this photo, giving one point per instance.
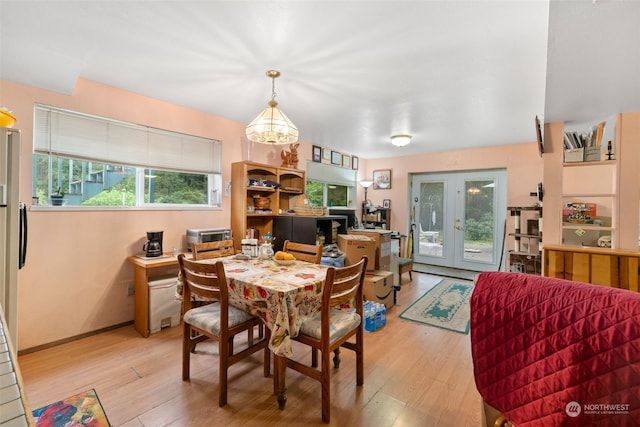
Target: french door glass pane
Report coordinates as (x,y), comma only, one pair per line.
(431,219)
(479,222)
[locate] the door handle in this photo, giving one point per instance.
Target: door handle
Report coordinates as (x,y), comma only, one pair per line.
(22,252)
(458,227)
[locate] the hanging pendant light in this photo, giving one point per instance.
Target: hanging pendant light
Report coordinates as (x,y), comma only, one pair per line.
(272,126)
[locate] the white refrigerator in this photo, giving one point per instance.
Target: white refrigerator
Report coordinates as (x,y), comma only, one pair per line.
(13,227)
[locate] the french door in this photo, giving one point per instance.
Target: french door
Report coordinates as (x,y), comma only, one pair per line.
(458,218)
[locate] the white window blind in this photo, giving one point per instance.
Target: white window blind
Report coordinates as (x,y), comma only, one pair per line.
(330,174)
(71,134)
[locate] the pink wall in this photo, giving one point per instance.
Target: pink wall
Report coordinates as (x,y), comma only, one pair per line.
(76,276)
(522,162)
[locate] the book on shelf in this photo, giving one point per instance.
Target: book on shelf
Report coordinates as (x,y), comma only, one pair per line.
(591,138)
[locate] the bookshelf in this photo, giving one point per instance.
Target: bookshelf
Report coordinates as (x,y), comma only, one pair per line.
(585,203)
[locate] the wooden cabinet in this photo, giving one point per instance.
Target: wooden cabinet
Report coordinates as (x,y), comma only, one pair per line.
(307,229)
(144,270)
(600,266)
(256,200)
(587,203)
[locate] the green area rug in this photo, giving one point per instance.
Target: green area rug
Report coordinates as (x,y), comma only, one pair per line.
(83,409)
(445,306)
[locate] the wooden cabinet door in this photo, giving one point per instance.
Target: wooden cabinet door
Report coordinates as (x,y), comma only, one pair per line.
(604,270)
(554,264)
(577,267)
(629,273)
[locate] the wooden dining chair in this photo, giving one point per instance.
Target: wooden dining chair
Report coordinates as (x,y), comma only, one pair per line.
(304,252)
(331,328)
(210,250)
(218,321)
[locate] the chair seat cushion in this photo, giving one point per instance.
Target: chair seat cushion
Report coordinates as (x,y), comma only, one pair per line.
(207,317)
(403,262)
(341,322)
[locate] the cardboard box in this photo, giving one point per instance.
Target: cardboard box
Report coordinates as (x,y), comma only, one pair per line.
(378,286)
(383,246)
(355,246)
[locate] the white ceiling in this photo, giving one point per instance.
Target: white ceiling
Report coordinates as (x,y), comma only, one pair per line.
(454,74)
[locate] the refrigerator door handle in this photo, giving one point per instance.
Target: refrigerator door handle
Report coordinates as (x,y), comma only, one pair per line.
(23,235)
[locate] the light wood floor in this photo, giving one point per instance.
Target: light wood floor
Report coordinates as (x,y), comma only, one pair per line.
(415,375)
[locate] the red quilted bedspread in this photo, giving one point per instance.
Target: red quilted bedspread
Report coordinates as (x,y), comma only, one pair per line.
(551,352)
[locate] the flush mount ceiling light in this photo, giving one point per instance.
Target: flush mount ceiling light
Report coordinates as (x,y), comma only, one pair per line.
(401,140)
(272,126)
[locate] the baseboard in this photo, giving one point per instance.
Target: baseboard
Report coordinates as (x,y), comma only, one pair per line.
(74,338)
(444,271)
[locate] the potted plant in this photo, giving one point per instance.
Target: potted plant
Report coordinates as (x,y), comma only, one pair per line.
(57,199)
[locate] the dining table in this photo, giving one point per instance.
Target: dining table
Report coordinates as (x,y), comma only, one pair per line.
(281,294)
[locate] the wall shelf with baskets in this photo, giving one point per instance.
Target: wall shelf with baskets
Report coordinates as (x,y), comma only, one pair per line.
(593,202)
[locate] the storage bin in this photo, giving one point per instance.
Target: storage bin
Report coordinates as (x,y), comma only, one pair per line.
(164,308)
(592,154)
(574,155)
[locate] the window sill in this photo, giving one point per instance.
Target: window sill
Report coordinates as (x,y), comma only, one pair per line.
(42,208)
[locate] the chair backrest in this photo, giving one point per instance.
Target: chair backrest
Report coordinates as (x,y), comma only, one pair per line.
(212,249)
(304,252)
(205,280)
(343,285)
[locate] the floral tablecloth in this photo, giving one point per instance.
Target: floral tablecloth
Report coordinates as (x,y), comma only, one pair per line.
(282,296)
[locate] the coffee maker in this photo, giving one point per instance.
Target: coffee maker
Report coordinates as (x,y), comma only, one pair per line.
(153,245)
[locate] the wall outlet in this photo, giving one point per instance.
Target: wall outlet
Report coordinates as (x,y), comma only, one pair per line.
(131,289)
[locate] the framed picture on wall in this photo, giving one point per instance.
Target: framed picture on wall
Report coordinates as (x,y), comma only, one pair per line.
(346,161)
(317,154)
(354,162)
(336,158)
(326,154)
(382,179)
(386,203)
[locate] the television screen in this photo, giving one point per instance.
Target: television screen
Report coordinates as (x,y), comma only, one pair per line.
(539,136)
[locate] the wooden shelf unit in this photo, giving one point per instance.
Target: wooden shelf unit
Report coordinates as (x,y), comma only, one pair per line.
(612,185)
(292,184)
(376,217)
(526,255)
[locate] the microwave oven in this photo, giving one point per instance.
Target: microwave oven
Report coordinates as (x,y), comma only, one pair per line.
(204,235)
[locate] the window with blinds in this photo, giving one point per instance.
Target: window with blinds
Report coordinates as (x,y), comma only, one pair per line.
(96,161)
